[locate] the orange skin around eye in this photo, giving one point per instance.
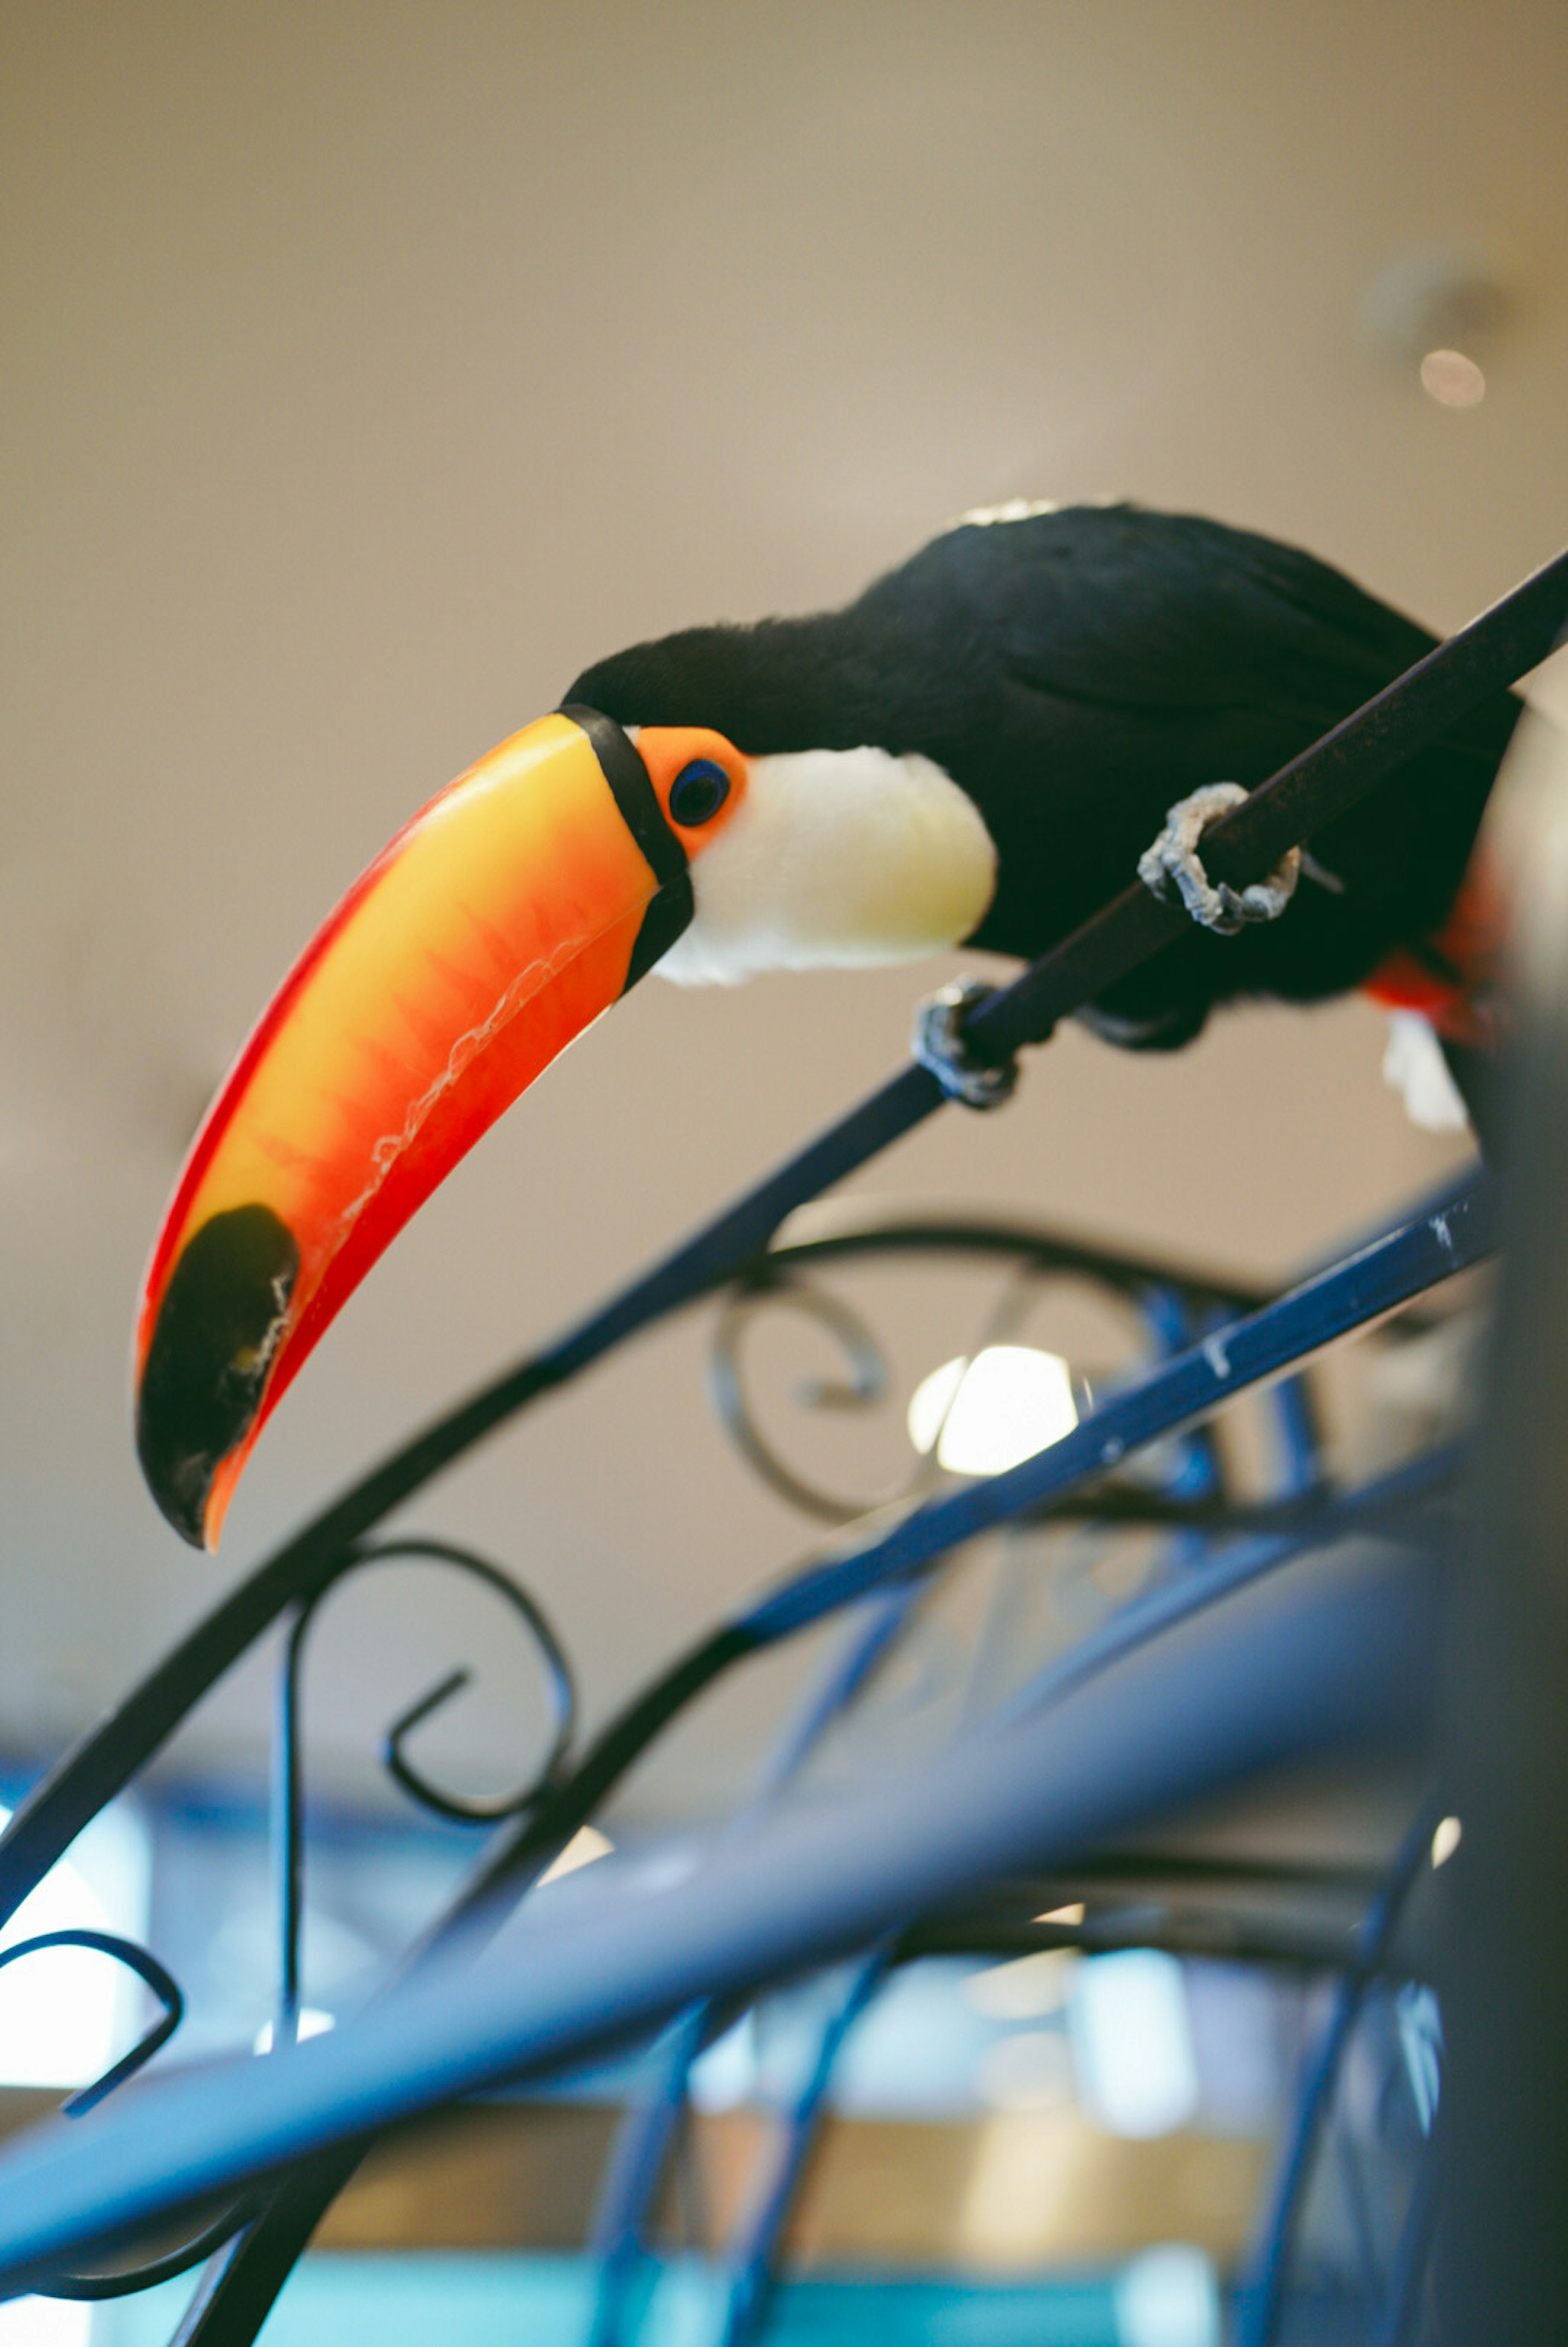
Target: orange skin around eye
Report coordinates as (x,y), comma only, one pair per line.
(667,750)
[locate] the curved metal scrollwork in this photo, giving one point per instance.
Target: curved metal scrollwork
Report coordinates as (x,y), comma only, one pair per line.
(479,1809)
(868,1383)
(162,1982)
(1166,1303)
(127,2279)
(460,1809)
(1163,1399)
(471,1809)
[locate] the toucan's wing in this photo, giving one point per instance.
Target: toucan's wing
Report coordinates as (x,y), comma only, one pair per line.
(1171,613)
(1133,657)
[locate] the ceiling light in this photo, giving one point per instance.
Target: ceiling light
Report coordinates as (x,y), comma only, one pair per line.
(986,1415)
(1132,2042)
(1452,380)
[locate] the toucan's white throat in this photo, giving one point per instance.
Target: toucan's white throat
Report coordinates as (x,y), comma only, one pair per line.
(839,859)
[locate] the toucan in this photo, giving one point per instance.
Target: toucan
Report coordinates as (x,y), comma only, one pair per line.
(978,749)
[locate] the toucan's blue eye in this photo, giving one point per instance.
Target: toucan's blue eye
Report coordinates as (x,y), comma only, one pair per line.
(698,793)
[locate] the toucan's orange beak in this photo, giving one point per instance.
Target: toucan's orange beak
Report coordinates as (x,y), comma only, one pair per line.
(522,901)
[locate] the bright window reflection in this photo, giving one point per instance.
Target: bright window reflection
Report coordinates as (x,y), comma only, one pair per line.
(66,2014)
(1132,2042)
(1024,1989)
(1028,2070)
(986,1415)
(1169,2297)
(45,2323)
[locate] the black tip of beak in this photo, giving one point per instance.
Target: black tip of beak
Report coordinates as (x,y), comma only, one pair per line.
(217,1329)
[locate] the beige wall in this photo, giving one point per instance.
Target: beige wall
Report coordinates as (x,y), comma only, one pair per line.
(370,368)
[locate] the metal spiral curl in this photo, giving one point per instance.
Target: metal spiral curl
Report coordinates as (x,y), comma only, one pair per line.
(146,1966)
(461,1809)
(772,1287)
(470,1809)
(127,2279)
(480,1809)
(868,1384)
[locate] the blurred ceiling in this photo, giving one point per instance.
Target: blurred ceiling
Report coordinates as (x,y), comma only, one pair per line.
(370,368)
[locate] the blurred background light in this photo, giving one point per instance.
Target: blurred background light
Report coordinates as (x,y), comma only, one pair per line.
(1452,380)
(45,2323)
(724,2076)
(984,1416)
(1168,2296)
(1024,1989)
(1132,2042)
(1030,2070)
(1419,2020)
(66,2014)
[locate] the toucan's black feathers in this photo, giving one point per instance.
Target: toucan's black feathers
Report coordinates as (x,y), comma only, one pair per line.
(1076,672)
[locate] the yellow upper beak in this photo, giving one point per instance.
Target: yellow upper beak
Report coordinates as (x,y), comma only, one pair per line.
(524,900)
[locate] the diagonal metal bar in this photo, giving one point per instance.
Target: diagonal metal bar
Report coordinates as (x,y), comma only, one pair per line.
(752,2259)
(1389,1271)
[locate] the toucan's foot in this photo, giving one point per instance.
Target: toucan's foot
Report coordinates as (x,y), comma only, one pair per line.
(1173,866)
